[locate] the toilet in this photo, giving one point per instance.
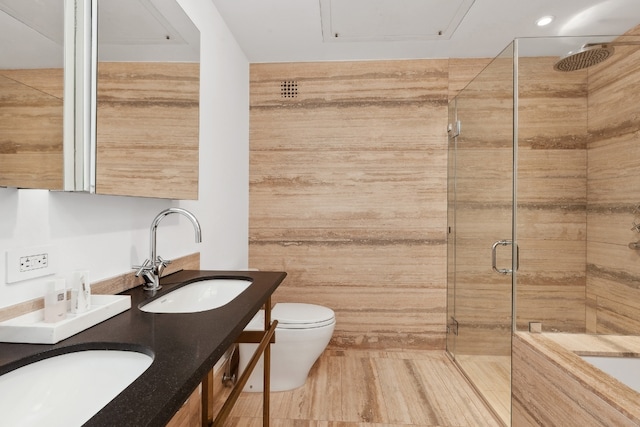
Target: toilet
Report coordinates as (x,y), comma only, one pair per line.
(302,334)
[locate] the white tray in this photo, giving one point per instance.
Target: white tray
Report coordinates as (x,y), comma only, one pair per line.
(31,328)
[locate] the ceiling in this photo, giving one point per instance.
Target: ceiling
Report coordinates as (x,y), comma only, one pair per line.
(334,30)
(32,32)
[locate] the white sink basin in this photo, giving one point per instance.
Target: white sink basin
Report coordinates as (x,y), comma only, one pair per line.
(68,389)
(198,296)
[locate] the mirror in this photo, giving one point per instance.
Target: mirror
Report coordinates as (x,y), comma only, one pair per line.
(132,129)
(147,110)
(32,86)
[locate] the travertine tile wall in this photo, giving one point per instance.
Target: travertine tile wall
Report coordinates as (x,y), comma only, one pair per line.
(348,194)
(137,103)
(579,163)
(328,166)
(141,104)
(31,123)
(484,177)
(613,270)
(461,74)
(551,195)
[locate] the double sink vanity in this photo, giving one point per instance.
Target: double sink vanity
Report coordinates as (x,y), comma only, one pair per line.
(182,337)
(107,87)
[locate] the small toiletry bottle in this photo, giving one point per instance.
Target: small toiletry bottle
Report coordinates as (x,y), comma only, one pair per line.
(74,301)
(81,292)
(55,301)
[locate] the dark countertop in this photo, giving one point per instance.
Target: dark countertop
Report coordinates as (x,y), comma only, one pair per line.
(185,346)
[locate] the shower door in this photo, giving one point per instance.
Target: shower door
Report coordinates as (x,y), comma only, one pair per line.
(481,199)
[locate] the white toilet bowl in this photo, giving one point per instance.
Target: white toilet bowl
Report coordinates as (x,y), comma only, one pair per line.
(302,334)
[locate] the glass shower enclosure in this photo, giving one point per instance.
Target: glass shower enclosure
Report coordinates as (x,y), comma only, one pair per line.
(543,202)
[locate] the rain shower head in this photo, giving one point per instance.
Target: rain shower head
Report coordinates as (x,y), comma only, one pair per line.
(586,56)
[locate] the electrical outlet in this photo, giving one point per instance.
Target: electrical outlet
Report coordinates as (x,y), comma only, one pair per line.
(30,263)
(34,262)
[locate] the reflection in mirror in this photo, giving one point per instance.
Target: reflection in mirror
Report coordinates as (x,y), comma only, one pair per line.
(147,115)
(31,93)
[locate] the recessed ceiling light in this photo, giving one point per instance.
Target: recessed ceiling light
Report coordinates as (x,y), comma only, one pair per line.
(545,20)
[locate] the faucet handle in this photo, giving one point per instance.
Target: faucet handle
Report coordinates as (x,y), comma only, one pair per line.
(163,261)
(146,266)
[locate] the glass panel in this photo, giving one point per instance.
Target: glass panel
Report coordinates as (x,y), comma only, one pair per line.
(147,100)
(483,216)
(451,222)
(32,85)
(578,169)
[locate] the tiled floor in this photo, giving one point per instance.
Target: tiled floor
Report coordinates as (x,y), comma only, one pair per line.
(369,388)
(492,377)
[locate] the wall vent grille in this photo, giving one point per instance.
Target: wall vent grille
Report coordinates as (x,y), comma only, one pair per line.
(289,89)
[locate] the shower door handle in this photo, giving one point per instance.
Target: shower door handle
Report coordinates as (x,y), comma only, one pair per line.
(494,260)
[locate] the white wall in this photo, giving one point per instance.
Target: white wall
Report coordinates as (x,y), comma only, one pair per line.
(108,234)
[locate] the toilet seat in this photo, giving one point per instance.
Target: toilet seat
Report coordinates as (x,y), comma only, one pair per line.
(295,316)
(302,316)
(302,335)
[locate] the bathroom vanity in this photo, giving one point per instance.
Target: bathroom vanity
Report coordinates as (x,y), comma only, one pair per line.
(184,347)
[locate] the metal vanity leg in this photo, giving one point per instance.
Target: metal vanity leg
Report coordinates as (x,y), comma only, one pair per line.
(263,347)
(207,399)
(266,389)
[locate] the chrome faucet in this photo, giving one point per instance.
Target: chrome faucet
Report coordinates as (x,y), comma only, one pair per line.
(152,268)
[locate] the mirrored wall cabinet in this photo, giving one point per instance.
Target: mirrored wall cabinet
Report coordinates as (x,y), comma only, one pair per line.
(99,96)
(32,42)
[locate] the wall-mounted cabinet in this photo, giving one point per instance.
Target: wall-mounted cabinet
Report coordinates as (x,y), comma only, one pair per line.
(104,98)
(32,82)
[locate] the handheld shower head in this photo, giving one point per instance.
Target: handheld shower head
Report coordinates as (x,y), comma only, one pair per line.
(586,56)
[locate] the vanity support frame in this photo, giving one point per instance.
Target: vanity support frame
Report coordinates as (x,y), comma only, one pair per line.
(264,339)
